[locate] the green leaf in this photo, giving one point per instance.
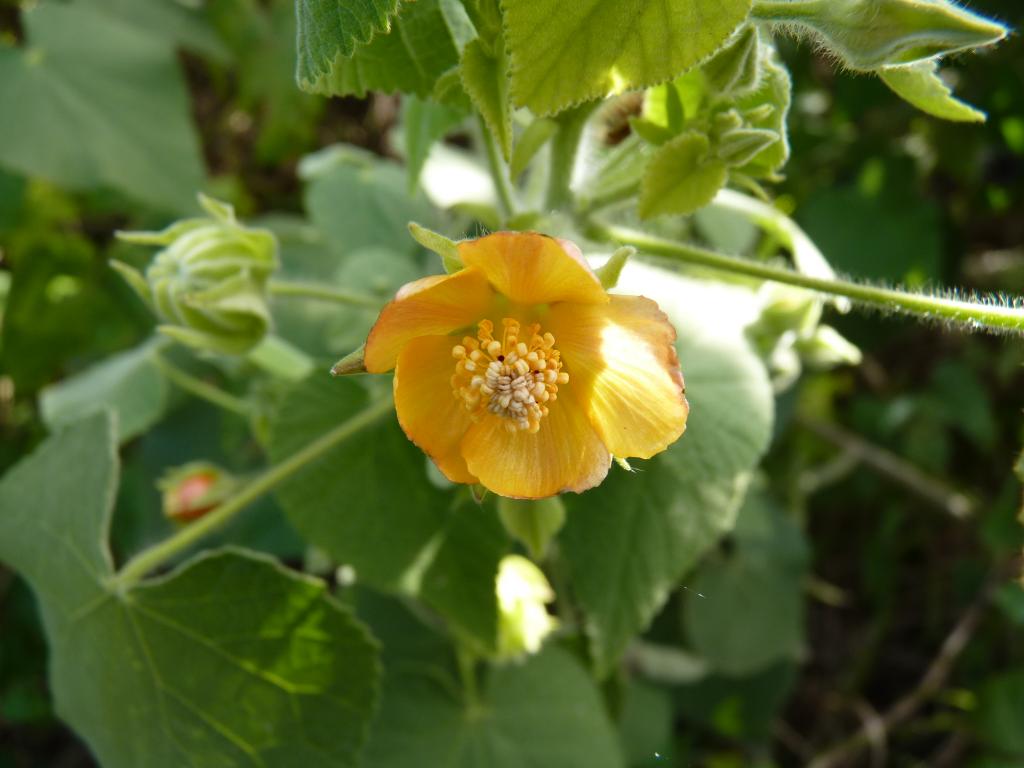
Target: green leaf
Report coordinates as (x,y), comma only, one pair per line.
(98,105)
(566,53)
(676,506)
(530,143)
(373,507)
(741,146)
(534,523)
(760,581)
(358,201)
(766,108)
(280,358)
(920,85)
(424,123)
(447,249)
(869,35)
(460,582)
(484,73)
(424,41)
(366,503)
(739,708)
(328,29)
(229,660)
(178,23)
(545,712)
(130,383)
(735,67)
(1001,712)
(681,177)
(56,504)
(646,726)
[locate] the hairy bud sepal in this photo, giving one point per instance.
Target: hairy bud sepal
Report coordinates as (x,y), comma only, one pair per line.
(870,34)
(208,284)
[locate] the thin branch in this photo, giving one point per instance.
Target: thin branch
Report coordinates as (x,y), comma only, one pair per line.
(894,467)
(202,389)
(928,686)
(149,559)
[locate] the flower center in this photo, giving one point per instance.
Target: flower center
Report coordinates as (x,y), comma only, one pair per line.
(513,378)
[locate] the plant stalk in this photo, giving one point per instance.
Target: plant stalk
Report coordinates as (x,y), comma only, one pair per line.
(973,316)
(149,559)
(322,293)
(499,172)
(204,391)
(564,150)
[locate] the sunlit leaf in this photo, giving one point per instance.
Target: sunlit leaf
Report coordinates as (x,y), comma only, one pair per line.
(566,53)
(673,508)
(423,42)
(332,28)
(681,177)
(231,659)
(920,85)
(485,78)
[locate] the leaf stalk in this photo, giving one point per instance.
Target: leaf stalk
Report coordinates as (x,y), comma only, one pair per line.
(969,315)
(148,560)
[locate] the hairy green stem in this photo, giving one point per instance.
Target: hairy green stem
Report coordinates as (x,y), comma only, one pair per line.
(564,150)
(322,293)
(201,389)
(149,559)
(499,171)
(969,315)
(608,197)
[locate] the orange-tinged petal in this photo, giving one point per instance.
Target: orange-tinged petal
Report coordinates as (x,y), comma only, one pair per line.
(621,360)
(565,455)
(427,410)
(432,305)
(531,268)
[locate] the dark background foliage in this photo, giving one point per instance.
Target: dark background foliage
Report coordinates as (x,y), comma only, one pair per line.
(900,467)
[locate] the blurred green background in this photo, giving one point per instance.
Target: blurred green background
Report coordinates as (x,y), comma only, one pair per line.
(901,467)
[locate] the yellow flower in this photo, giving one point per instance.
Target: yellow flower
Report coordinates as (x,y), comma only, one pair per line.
(520,372)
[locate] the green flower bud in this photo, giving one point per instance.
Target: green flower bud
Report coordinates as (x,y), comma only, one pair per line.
(788,309)
(826,348)
(735,67)
(523,621)
(209,283)
(870,34)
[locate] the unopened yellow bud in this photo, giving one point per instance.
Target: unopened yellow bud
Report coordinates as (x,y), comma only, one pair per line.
(523,621)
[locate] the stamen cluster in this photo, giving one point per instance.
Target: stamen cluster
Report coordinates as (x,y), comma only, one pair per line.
(510,378)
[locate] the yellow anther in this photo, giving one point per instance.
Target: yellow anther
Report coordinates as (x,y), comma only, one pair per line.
(509,378)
